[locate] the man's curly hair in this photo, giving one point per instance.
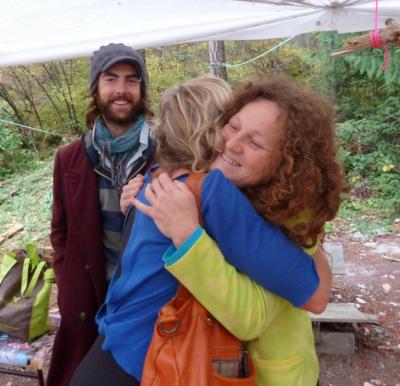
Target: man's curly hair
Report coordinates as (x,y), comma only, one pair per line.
(308,176)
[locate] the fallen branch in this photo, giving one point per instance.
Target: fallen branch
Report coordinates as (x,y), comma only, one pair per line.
(10,232)
(391,258)
(389,36)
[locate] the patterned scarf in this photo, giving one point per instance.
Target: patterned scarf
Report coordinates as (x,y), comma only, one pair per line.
(117,152)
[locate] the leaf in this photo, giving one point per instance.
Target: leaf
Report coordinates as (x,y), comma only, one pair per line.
(371,70)
(389,75)
(33,254)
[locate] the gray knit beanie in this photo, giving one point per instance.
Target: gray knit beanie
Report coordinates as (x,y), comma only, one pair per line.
(112,53)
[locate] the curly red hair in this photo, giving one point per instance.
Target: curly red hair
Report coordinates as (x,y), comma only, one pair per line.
(308,176)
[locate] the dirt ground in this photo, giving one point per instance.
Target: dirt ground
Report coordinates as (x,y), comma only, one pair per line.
(372,281)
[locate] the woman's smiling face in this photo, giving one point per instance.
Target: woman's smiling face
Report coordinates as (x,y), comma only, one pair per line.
(252,144)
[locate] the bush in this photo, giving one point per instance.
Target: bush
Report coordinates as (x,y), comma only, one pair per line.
(14,156)
(370,152)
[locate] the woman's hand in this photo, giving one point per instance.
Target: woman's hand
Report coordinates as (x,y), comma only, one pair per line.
(130,191)
(173,208)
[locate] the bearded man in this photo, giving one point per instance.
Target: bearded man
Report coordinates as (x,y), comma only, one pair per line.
(87,224)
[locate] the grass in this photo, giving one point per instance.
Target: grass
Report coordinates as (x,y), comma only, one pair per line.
(26,199)
(369,217)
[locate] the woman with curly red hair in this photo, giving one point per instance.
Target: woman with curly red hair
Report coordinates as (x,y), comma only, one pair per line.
(279,148)
(306,175)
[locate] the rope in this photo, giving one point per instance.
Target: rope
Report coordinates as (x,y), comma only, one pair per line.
(227,65)
(30,128)
(375,39)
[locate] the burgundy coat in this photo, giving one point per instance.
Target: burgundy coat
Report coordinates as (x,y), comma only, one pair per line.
(76,236)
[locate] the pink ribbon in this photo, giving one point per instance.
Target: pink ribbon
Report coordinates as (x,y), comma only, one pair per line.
(375,40)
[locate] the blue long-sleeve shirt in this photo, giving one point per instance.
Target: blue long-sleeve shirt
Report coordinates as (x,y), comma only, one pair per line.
(143,286)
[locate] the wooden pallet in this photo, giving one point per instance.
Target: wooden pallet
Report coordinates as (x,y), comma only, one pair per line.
(343,313)
(338,343)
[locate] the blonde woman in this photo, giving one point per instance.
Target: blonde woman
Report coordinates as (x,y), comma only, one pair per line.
(188,140)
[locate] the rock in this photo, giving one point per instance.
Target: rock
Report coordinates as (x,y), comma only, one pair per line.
(371,244)
(380,232)
(386,288)
(358,236)
(367,384)
(361,301)
(388,248)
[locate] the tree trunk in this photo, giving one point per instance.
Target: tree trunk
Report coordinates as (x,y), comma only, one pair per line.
(43,88)
(4,94)
(216,50)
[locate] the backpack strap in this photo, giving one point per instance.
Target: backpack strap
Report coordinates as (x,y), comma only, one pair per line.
(8,260)
(194,182)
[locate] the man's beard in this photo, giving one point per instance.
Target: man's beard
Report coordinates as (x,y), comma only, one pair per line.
(130,117)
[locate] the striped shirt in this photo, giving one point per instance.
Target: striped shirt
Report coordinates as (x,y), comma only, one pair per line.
(109,197)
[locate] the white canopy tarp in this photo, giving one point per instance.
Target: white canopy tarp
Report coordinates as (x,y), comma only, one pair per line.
(43,30)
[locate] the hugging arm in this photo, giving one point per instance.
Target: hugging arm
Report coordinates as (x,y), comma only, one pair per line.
(241,305)
(180,221)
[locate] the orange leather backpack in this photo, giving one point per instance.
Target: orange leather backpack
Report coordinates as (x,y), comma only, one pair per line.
(189,347)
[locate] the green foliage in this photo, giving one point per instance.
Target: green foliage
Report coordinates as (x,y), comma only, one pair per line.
(366,216)
(168,66)
(47,96)
(171,65)
(370,63)
(370,152)
(355,82)
(14,157)
(287,59)
(367,101)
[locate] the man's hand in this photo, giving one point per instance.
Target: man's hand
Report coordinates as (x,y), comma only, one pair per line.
(172,207)
(130,191)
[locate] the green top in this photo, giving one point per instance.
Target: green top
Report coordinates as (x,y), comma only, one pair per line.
(279,336)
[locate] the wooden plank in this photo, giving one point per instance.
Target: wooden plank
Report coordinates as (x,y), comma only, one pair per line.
(391,258)
(336,343)
(343,313)
(10,232)
(335,255)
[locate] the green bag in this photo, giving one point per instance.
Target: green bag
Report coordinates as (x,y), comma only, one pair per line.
(25,289)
